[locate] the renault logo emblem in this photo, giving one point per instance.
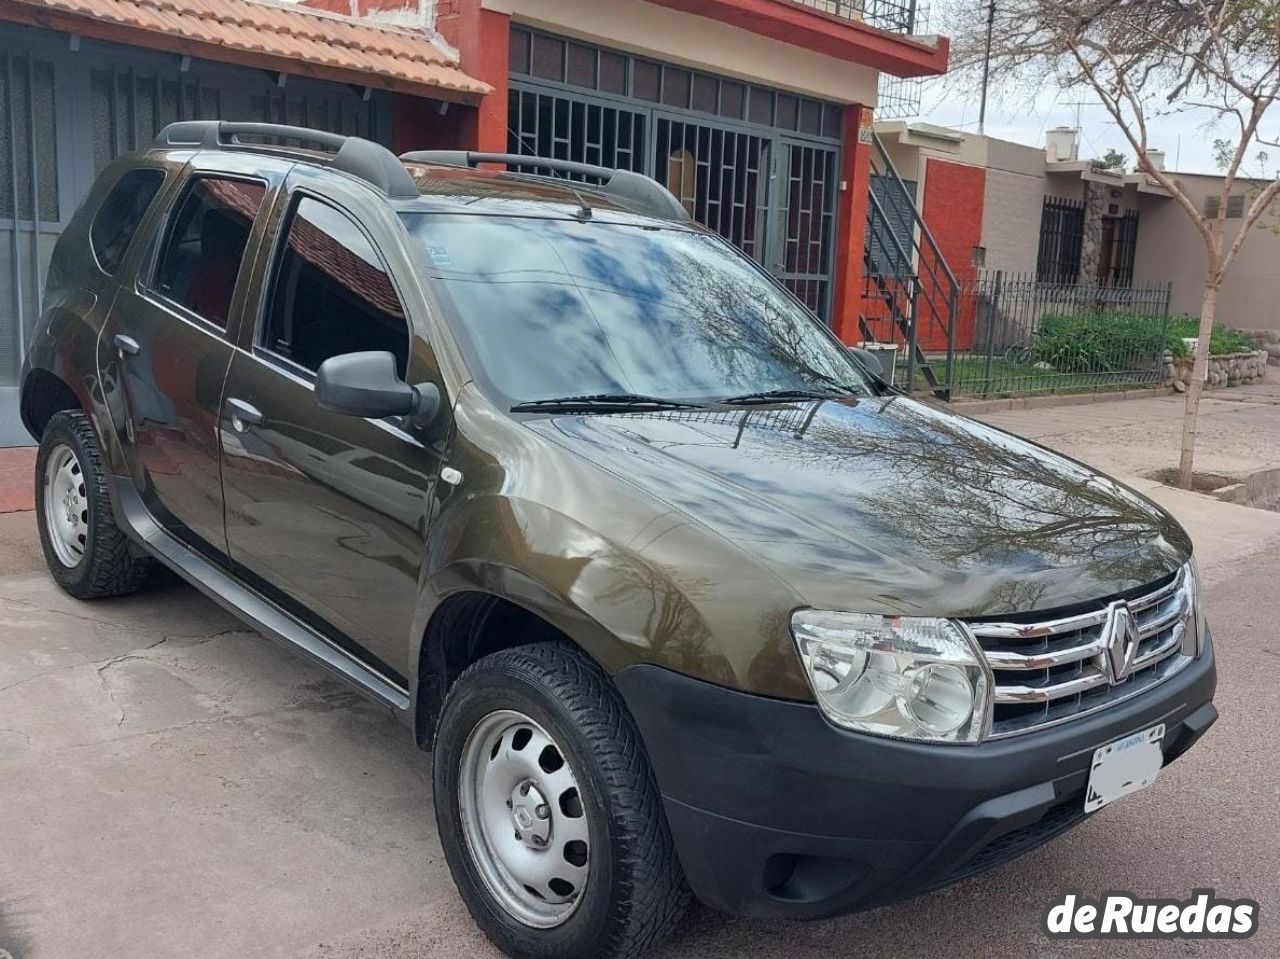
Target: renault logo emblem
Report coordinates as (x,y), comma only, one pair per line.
(1120,641)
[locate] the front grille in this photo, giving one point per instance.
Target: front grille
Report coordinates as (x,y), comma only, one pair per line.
(1053,670)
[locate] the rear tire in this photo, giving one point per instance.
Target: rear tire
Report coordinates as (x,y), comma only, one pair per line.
(539,729)
(87,554)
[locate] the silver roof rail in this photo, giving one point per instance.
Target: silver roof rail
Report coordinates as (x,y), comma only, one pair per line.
(371,162)
(643,193)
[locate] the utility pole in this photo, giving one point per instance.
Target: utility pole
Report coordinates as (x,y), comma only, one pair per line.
(986,68)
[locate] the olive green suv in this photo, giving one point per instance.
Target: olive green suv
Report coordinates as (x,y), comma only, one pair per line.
(682,597)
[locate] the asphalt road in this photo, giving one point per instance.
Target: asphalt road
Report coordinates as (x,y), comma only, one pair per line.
(172,784)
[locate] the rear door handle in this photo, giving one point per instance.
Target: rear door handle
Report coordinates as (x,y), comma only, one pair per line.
(243,415)
(125,345)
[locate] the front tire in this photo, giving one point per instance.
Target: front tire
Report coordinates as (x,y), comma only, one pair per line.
(548,811)
(87,554)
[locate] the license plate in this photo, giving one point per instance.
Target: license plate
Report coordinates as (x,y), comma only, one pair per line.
(1124,767)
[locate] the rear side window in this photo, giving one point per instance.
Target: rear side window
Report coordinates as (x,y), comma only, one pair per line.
(207,237)
(332,293)
(117,220)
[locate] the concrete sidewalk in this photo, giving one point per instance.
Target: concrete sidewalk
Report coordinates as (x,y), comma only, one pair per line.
(1238,434)
(1238,429)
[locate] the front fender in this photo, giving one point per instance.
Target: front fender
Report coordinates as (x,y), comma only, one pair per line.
(659,591)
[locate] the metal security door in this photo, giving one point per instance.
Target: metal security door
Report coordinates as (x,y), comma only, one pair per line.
(806,195)
(756,164)
(69,109)
(601,133)
(32,208)
(719,175)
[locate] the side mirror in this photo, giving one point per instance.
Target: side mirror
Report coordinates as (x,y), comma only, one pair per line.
(367,384)
(868,361)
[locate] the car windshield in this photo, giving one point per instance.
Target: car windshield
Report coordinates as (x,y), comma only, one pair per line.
(559,308)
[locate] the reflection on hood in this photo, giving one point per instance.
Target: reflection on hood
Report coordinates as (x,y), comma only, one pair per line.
(889,505)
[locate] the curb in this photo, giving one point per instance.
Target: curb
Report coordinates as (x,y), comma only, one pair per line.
(969,407)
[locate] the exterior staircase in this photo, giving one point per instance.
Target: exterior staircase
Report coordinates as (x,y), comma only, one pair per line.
(911,297)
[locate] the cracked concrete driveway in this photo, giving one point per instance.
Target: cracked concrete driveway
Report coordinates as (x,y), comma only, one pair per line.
(172,784)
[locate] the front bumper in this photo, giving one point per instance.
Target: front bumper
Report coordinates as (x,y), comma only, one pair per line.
(775,812)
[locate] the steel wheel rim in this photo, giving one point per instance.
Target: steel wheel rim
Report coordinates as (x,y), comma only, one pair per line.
(66,506)
(523,819)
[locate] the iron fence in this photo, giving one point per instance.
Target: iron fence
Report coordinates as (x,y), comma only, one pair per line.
(1026,336)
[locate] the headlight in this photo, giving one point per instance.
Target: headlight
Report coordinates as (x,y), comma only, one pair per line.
(1195,626)
(906,677)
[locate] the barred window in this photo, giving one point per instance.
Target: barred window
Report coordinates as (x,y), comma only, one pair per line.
(1061,240)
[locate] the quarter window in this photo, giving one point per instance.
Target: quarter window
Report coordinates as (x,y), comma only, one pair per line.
(332,294)
(117,220)
(202,254)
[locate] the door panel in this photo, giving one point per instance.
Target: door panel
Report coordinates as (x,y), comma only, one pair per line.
(325,512)
(170,337)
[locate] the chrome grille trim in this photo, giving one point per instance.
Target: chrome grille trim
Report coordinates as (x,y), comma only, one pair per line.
(1067,624)
(1054,671)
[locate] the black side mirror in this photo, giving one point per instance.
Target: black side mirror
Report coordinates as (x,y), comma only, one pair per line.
(367,384)
(868,361)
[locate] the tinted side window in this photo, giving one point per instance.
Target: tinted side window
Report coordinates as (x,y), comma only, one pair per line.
(332,295)
(206,242)
(117,220)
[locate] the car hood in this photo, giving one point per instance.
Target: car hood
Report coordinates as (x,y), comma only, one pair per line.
(884,504)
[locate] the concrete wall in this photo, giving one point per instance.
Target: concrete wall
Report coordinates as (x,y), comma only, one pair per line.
(1015,191)
(1170,248)
(698,42)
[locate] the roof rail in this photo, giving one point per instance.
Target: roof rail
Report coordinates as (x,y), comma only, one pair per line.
(371,162)
(643,192)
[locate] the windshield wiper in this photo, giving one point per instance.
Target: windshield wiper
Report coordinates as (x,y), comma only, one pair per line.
(775,396)
(603,403)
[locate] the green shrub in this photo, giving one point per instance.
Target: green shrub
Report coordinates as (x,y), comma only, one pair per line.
(1099,341)
(1109,341)
(1223,339)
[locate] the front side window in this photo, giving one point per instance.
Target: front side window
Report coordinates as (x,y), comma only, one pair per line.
(207,238)
(555,308)
(117,219)
(332,294)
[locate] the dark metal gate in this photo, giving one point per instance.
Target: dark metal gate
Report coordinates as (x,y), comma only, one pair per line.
(68,109)
(759,166)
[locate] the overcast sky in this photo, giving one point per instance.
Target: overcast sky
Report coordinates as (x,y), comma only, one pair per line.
(949,101)
(1185,140)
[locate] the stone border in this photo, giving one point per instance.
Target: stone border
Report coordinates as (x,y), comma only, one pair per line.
(1268,340)
(1226,369)
(1042,401)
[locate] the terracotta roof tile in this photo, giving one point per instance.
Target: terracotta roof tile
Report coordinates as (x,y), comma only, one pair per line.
(265,34)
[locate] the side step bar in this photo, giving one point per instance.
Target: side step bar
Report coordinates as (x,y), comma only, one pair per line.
(242,602)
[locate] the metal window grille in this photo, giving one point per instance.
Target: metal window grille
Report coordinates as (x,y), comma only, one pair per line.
(1061,240)
(758,166)
(1126,241)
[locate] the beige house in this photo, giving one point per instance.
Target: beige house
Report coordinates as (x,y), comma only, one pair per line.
(1044,212)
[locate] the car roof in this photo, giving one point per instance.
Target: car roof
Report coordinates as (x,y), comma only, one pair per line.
(441,180)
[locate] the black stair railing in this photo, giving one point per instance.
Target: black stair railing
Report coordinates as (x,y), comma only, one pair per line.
(911,295)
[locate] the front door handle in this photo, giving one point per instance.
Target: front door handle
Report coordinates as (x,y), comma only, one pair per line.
(125,345)
(243,415)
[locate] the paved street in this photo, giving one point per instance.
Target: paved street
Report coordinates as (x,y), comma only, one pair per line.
(172,784)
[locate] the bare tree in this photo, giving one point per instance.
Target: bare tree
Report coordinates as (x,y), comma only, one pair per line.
(1219,59)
